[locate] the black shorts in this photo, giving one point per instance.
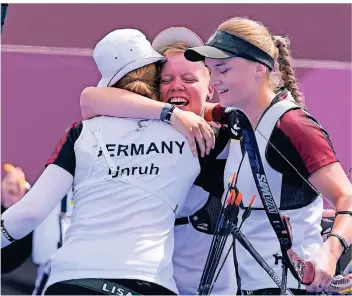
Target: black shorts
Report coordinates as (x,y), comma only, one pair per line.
(107,287)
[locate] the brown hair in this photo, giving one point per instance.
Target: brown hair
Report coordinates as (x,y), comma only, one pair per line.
(143,81)
(276,46)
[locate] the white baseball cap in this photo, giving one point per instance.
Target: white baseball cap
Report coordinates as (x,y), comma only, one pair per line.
(122,51)
(176,34)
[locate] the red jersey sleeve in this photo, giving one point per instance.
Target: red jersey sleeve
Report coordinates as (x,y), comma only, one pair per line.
(309,138)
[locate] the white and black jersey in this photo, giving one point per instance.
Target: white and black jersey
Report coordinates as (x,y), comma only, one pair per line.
(126,195)
(306,147)
(129,178)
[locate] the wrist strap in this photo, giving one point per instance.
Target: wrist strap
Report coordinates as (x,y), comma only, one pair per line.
(166,113)
(342,241)
(5,232)
(343,213)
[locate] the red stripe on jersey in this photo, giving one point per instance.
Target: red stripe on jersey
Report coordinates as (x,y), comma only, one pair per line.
(61,143)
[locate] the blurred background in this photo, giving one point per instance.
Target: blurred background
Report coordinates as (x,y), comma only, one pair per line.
(46,62)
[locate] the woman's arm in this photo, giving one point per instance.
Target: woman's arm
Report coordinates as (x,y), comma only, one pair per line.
(117,102)
(324,172)
(334,185)
(122,103)
(13,190)
(37,204)
(315,149)
(14,255)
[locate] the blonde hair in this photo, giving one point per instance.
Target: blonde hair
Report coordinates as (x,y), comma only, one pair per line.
(174,47)
(179,47)
(276,46)
(143,81)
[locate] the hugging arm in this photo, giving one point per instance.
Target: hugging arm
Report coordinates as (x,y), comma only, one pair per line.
(110,101)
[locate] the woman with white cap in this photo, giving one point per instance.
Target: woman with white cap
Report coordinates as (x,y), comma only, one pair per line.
(128,181)
(185,85)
